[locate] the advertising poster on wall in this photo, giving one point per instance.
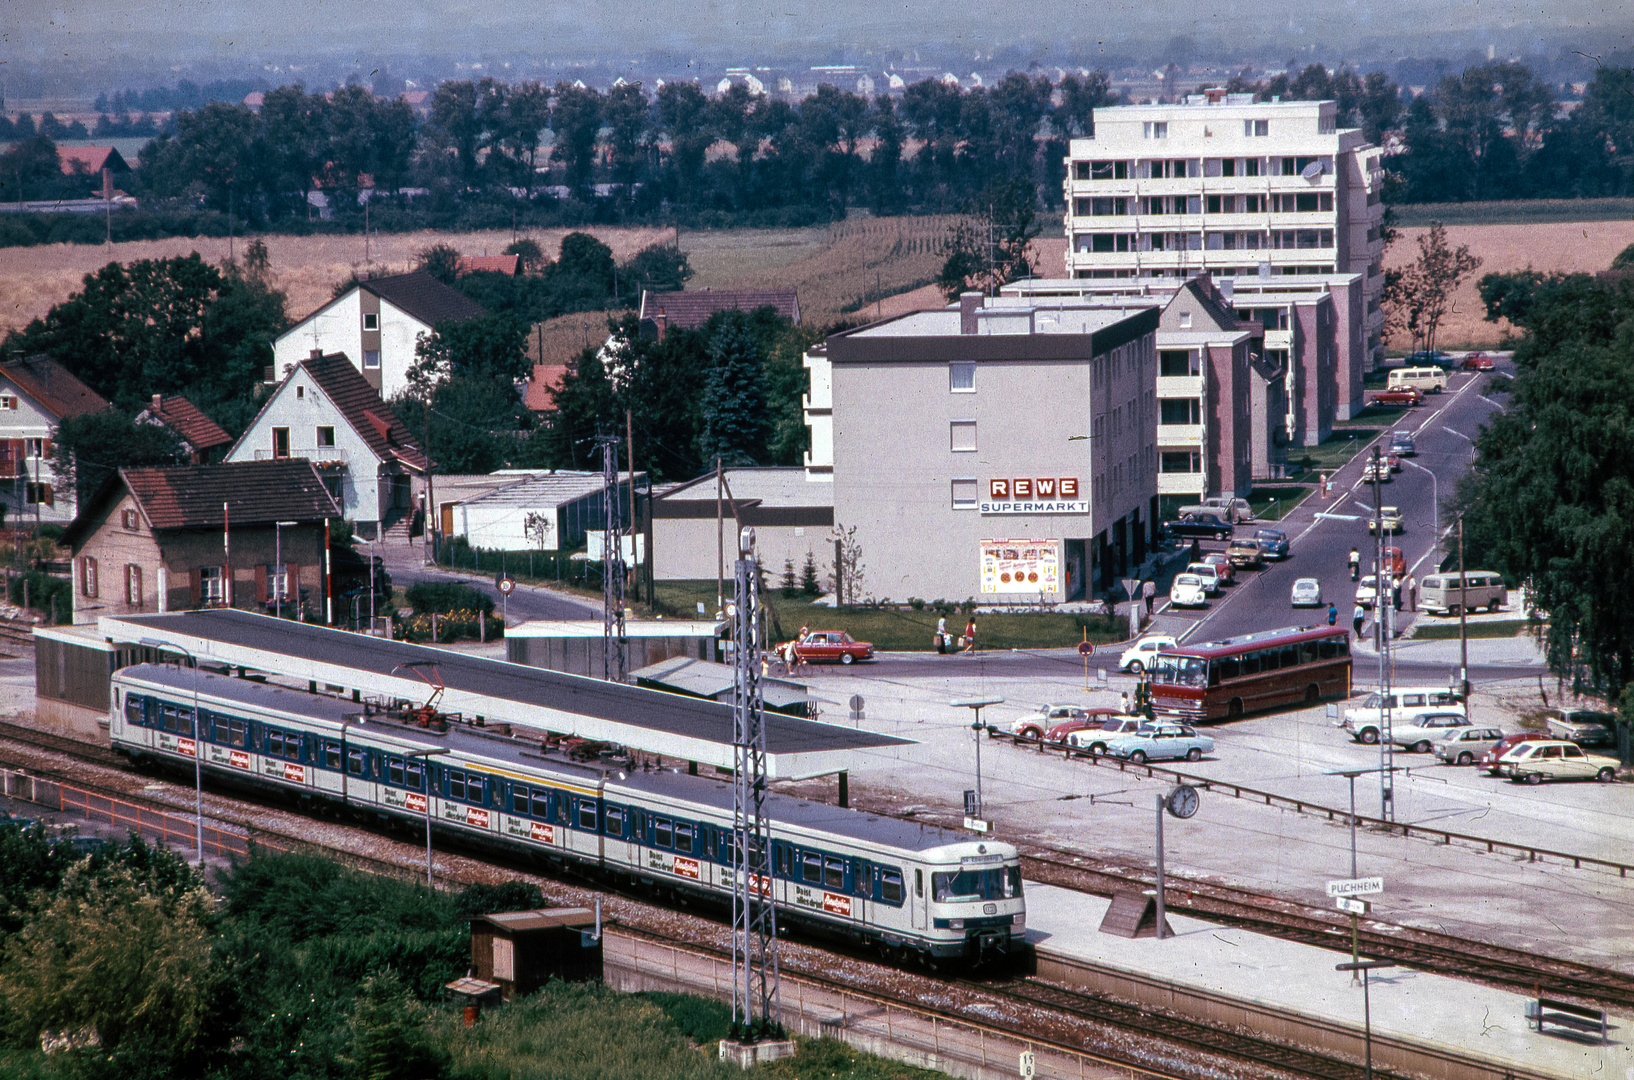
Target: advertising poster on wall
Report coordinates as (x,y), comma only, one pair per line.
(1021,566)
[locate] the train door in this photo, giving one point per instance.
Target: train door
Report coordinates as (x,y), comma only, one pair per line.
(917,901)
(619,824)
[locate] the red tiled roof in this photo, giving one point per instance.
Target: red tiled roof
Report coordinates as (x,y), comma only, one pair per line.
(254,492)
(184,418)
(54,387)
(691,310)
(498,264)
(360,405)
(546,378)
(93,159)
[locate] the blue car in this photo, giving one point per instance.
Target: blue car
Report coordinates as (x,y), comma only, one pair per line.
(1154,742)
(1273,542)
(1428,358)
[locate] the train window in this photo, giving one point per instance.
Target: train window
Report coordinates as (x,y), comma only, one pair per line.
(683,837)
(919,883)
(456,784)
(354,762)
(663,832)
(414,771)
(238,733)
(1001,883)
(331,755)
(275,743)
(833,873)
(473,789)
(587,815)
(133,709)
(890,886)
(394,772)
(615,821)
(782,859)
(811,869)
(541,804)
(519,799)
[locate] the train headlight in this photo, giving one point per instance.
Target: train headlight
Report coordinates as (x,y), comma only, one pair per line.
(955,924)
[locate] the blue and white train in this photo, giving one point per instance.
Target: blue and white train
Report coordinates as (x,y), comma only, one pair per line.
(912,891)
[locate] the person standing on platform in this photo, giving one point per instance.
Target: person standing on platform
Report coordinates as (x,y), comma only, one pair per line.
(1149,592)
(970,635)
(1412,593)
(1357,617)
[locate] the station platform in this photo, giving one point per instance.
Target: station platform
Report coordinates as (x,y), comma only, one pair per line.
(1429,1024)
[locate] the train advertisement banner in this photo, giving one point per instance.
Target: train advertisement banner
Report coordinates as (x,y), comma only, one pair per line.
(1020,566)
(822,900)
(685,867)
(835,904)
(406,800)
(476,817)
(238,759)
(187,747)
(295,774)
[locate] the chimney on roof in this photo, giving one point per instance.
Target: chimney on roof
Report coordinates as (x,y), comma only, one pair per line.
(969,304)
(661,321)
(1215,94)
(317,354)
(158,402)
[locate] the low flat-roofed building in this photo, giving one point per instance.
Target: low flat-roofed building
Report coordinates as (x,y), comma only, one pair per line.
(793,518)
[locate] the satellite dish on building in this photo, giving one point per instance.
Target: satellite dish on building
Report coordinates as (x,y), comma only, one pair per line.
(1312,171)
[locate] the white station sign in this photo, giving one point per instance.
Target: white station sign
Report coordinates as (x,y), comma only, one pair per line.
(1356,886)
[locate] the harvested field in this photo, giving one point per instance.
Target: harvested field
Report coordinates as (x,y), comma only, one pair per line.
(1545,247)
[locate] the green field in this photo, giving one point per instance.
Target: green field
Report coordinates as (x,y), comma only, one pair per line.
(1515,212)
(1442,631)
(902,629)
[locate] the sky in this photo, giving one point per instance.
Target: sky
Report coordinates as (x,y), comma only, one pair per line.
(227,32)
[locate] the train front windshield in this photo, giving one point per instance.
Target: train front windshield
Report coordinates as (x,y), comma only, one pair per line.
(999,883)
(1179,670)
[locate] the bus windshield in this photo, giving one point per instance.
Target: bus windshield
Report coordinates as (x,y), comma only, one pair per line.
(1179,670)
(999,883)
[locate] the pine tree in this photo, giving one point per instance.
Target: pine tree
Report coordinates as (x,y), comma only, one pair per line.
(732,412)
(808,577)
(791,587)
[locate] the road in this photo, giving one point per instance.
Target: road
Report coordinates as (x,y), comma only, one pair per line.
(1442,428)
(406,565)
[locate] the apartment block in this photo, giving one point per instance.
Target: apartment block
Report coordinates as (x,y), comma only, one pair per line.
(1238,188)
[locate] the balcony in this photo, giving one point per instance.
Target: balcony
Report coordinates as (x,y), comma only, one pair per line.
(333,456)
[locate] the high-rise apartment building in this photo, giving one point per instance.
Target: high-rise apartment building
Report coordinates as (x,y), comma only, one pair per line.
(1223,183)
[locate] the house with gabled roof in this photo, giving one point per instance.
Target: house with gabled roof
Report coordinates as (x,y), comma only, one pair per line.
(376,323)
(36,395)
(203,440)
(326,413)
(690,310)
(250,535)
(91,161)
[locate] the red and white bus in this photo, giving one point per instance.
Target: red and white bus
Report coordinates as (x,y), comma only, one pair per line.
(1216,680)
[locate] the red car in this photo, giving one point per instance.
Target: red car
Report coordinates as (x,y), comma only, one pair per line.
(1401,395)
(1395,563)
(1222,565)
(1477,361)
(1091,718)
(829,646)
(1489,760)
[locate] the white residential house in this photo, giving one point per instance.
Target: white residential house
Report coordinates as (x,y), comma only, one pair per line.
(376,324)
(325,412)
(37,394)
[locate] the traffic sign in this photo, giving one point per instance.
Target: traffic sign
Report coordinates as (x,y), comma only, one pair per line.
(1356,886)
(1355,907)
(1086,649)
(506,585)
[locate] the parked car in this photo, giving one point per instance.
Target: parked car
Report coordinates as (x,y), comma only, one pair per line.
(1405,395)
(1223,567)
(1274,542)
(1395,563)
(1230,507)
(1307,592)
(1465,745)
(1555,759)
(1477,361)
(1585,727)
(1138,657)
(1188,590)
(1393,461)
(1092,718)
(1402,444)
(1208,572)
(1096,739)
(829,646)
(1420,733)
(1156,742)
(1444,594)
(1427,358)
(1376,470)
(1035,724)
(1201,526)
(1488,761)
(1246,552)
(1389,519)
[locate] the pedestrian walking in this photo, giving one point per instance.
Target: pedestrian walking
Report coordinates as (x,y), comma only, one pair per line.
(1395,592)
(1124,705)
(1356,618)
(941,636)
(1333,615)
(1355,564)
(970,635)
(1148,590)
(1412,593)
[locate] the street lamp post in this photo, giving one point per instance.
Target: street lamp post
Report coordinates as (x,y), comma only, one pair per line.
(198,742)
(1435,492)
(976,705)
(426,778)
(278,559)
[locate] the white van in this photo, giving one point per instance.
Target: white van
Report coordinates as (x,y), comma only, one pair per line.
(1426,380)
(1405,705)
(1441,594)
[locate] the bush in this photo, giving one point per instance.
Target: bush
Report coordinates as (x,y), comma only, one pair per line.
(44,590)
(448,597)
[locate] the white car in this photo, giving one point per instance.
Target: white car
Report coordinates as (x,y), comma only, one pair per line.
(1307,592)
(1208,572)
(1362,724)
(1419,733)
(1188,590)
(1551,759)
(1138,657)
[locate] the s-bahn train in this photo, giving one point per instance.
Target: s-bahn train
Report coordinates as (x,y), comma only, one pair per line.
(912,891)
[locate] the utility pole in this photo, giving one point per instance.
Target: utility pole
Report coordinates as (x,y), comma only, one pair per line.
(1381,607)
(612,564)
(756,1007)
